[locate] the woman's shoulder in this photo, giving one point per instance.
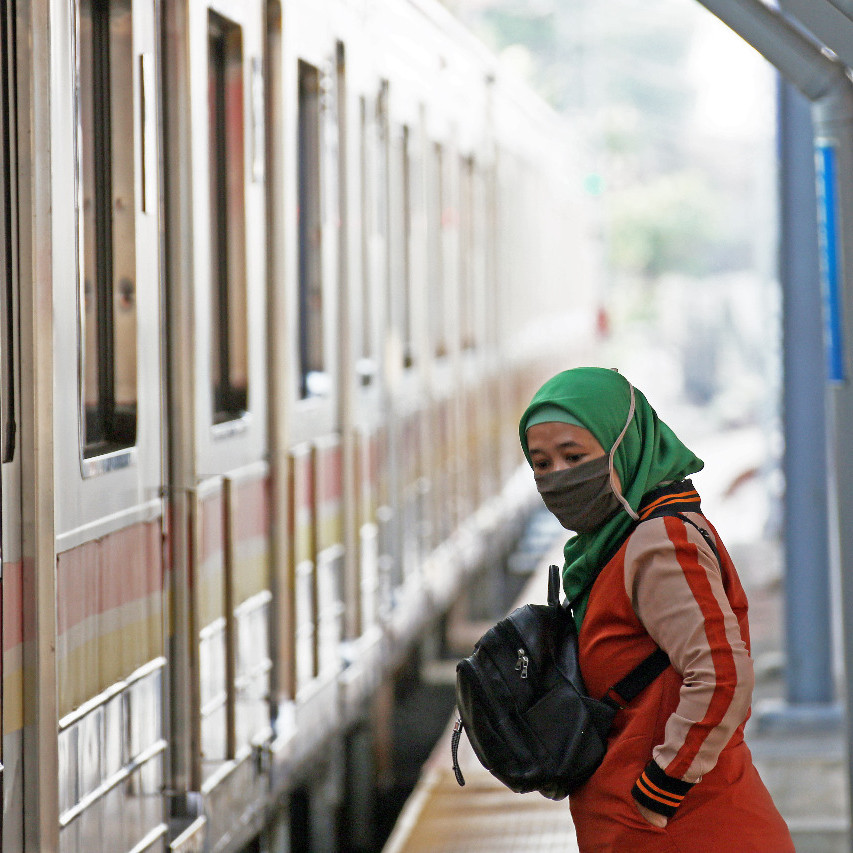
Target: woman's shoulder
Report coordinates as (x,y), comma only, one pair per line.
(669,499)
(671,534)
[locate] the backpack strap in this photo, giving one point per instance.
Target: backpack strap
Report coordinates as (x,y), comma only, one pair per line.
(555,582)
(705,535)
(621,694)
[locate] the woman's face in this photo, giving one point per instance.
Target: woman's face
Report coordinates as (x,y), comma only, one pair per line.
(554,446)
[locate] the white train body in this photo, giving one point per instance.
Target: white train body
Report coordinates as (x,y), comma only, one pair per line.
(277,280)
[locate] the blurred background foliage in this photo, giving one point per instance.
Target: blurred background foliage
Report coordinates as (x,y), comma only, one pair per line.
(634,76)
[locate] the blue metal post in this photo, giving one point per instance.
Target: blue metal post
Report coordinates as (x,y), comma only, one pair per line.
(808,640)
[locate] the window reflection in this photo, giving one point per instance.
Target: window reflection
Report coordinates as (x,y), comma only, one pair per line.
(107,225)
(229,322)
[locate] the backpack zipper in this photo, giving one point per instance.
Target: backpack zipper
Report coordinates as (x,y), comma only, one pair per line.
(522,662)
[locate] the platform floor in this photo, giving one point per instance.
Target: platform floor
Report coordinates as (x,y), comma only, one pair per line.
(441,817)
(484,816)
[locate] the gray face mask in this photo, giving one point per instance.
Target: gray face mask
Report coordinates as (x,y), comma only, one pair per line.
(581,498)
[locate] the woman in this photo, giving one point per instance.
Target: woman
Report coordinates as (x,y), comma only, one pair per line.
(677,776)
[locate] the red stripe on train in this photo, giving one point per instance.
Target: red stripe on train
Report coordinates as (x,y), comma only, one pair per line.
(99,576)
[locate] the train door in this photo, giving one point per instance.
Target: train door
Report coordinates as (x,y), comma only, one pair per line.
(306,69)
(360,99)
(11,787)
(108,499)
(407,370)
(369,404)
(220,472)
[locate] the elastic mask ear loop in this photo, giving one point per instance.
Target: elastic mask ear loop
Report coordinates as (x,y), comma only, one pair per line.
(618,492)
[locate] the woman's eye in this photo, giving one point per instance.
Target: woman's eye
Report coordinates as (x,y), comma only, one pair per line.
(574,458)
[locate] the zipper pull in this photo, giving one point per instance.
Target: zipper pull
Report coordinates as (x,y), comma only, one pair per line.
(454,751)
(521,663)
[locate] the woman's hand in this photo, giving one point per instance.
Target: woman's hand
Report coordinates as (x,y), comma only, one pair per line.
(653,818)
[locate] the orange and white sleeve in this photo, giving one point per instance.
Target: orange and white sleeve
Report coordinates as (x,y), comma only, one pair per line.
(676,588)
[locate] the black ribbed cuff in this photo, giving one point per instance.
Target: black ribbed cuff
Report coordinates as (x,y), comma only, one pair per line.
(658,792)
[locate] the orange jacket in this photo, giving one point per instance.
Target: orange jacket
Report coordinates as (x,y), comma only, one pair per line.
(678,748)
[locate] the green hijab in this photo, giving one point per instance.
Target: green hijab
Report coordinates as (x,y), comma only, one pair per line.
(649,454)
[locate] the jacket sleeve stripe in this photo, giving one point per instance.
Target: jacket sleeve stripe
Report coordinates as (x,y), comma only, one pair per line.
(722,656)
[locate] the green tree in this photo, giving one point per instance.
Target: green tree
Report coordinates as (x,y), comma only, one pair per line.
(669,224)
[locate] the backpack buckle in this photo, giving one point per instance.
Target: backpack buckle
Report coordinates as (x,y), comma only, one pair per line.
(613,699)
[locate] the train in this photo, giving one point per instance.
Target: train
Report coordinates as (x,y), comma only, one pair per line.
(278,277)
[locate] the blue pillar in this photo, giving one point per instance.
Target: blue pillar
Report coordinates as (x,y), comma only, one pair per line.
(808,637)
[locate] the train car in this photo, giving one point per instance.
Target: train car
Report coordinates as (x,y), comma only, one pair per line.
(277,277)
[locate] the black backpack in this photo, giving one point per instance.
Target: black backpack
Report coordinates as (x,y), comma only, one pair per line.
(522,700)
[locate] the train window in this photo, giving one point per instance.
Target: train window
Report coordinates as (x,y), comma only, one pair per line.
(488,231)
(417,242)
(467,226)
(403,278)
(380,221)
(107,225)
(479,275)
(229,304)
(366,365)
(435,236)
(313,378)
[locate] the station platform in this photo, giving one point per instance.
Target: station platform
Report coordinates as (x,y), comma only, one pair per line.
(441,817)
(801,758)
(484,816)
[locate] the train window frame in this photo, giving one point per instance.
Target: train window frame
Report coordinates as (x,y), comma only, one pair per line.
(229,297)
(105,209)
